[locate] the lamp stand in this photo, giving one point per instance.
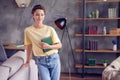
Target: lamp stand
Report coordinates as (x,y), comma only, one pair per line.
(66,29)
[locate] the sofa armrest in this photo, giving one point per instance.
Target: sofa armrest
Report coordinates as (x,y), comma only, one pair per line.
(15,62)
(20,54)
(27,73)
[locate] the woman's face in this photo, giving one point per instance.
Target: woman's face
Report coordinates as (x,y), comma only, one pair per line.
(38,16)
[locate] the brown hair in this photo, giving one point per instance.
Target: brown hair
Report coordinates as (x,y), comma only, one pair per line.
(37,7)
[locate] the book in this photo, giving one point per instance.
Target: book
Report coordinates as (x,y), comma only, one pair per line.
(93,29)
(93,44)
(47,40)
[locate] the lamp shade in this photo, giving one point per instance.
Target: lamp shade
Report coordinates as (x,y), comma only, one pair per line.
(61,23)
(23,3)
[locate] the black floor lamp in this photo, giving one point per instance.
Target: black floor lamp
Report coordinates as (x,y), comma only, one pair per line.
(61,24)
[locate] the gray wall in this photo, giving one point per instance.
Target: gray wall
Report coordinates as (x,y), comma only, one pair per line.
(13,21)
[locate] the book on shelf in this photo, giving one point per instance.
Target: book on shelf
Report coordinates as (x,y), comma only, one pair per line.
(93,44)
(93,29)
(47,40)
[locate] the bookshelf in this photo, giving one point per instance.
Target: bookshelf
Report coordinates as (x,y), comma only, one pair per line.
(100,50)
(96,1)
(103,20)
(93,35)
(86,66)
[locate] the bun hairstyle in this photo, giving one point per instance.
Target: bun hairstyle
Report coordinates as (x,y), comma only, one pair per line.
(38,7)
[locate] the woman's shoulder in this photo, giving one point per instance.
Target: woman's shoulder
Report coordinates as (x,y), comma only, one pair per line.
(49,27)
(28,28)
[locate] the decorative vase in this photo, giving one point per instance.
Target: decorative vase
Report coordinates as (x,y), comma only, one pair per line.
(105,64)
(114,47)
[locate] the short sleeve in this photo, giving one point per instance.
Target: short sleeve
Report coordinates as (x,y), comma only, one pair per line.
(27,40)
(55,37)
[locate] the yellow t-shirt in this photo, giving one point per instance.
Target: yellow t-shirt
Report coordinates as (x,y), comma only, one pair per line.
(34,36)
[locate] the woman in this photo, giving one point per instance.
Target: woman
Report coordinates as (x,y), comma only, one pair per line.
(46,54)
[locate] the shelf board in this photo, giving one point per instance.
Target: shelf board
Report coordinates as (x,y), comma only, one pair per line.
(93,35)
(79,19)
(98,66)
(106,50)
(94,1)
(101,50)
(78,50)
(78,35)
(78,65)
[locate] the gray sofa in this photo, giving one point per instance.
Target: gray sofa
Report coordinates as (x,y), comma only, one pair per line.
(11,69)
(112,71)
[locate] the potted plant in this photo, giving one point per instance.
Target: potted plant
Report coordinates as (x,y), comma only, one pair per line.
(105,62)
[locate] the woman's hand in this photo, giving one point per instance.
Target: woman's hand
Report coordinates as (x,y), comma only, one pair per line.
(26,65)
(45,45)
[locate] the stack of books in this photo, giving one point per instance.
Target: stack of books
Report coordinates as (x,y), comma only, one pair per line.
(92,44)
(93,29)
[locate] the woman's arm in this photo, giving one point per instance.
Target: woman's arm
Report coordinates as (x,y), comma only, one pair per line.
(29,52)
(54,46)
(28,49)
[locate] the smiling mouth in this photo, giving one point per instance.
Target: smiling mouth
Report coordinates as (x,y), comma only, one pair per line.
(38,19)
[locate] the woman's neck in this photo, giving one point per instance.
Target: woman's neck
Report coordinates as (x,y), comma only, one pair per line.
(38,25)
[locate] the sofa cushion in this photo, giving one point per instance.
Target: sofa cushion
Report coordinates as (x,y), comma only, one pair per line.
(112,71)
(117,76)
(14,64)
(4,72)
(116,63)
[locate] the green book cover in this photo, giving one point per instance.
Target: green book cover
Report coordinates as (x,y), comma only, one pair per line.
(47,40)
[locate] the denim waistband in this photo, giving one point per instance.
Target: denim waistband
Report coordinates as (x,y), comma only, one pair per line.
(54,54)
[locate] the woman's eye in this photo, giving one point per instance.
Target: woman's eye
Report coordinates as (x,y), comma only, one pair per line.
(42,14)
(37,14)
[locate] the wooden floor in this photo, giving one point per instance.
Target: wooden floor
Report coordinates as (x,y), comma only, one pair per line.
(78,77)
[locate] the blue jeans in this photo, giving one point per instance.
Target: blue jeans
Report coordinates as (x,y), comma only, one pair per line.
(49,67)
